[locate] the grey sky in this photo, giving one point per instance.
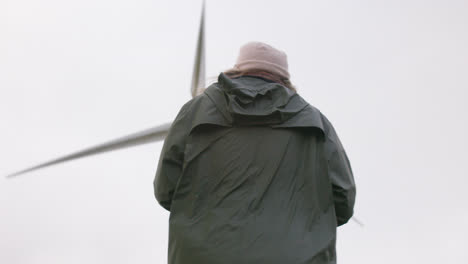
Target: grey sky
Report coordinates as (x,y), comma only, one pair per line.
(392,76)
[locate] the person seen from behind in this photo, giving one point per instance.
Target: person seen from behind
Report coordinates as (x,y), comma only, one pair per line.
(252,173)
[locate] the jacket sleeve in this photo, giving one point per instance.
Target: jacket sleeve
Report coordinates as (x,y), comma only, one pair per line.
(171,160)
(341,177)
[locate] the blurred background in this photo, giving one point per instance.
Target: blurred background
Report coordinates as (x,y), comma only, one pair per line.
(392,76)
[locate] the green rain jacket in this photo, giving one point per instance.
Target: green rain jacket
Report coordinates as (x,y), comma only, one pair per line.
(253,174)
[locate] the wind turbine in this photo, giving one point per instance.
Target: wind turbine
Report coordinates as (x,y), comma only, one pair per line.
(150,135)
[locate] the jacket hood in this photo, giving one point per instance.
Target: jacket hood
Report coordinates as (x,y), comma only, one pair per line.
(249,100)
(252,100)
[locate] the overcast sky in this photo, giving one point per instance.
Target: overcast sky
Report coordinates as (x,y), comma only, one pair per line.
(392,76)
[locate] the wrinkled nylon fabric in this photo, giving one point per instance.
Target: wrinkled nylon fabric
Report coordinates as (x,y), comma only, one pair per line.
(252,173)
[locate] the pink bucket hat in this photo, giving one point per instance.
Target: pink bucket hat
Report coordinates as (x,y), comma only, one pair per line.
(261,56)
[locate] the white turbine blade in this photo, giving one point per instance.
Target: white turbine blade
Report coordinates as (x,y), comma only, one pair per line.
(198,77)
(357,221)
(147,136)
(143,137)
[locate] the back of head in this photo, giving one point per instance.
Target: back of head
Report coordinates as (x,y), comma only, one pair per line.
(262,60)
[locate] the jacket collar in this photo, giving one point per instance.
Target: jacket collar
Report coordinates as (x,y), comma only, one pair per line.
(230,97)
